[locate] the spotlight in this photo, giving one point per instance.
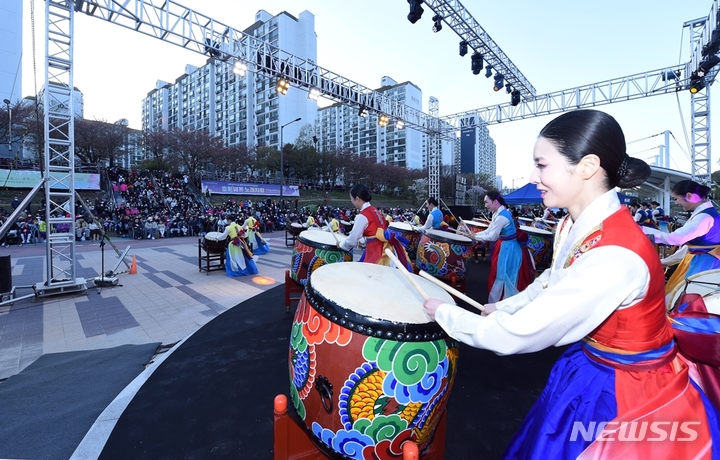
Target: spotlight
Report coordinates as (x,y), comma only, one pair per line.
(508,88)
(383,120)
(463,48)
(498,82)
(240,68)
(314,94)
(282,86)
(476,63)
(437,27)
(515,98)
(416,10)
(488,71)
(697,82)
(363,111)
(707,64)
(399,124)
(671,75)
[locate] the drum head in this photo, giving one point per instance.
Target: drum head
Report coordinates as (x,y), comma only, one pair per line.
(476,225)
(213,236)
(319,238)
(296,225)
(535,230)
(448,237)
(375,291)
(707,284)
(402,226)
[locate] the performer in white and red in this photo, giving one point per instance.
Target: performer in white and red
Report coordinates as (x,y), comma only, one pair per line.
(604,296)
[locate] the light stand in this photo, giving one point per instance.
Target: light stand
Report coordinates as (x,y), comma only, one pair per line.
(105,279)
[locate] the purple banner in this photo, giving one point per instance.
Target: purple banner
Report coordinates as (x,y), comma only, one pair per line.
(243,188)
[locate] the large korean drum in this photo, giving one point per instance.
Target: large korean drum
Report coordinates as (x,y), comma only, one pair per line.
(408,232)
(368,369)
(312,250)
(540,244)
(346,227)
(443,254)
(213,242)
(706,283)
(295,228)
(475,226)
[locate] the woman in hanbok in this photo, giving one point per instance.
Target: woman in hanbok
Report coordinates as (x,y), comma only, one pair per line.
(371,230)
(699,237)
(511,266)
(621,390)
(254,238)
(239,259)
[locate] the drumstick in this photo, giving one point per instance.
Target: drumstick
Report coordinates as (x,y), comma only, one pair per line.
(452,290)
(333,234)
(408,276)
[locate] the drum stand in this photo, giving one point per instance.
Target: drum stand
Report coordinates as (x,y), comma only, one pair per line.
(293,291)
(291,442)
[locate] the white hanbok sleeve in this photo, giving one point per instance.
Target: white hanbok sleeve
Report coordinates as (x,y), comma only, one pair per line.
(356,233)
(697,226)
(575,301)
(493,231)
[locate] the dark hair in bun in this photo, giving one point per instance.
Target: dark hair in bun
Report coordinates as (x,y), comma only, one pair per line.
(580,133)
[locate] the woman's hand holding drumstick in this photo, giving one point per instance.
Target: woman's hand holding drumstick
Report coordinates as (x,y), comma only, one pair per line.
(452,290)
(337,242)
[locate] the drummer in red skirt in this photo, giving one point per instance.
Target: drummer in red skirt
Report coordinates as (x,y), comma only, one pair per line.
(371,231)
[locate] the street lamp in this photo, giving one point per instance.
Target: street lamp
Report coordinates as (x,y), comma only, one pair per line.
(7,102)
(282,171)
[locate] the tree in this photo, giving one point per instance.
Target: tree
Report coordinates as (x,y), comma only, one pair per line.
(331,164)
(157,148)
(358,169)
(98,140)
(194,149)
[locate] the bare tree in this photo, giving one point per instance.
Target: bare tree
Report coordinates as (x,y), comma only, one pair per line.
(194,149)
(98,140)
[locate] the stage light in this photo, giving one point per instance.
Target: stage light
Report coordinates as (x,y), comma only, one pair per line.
(416,10)
(463,48)
(498,82)
(240,68)
(476,63)
(399,124)
(508,88)
(488,71)
(437,26)
(671,75)
(707,64)
(363,111)
(383,120)
(282,86)
(697,83)
(515,98)
(314,94)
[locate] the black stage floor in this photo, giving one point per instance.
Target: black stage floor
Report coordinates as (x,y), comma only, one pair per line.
(213,396)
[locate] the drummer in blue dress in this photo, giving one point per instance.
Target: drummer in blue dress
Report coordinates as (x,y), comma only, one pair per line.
(435,217)
(511,268)
(699,237)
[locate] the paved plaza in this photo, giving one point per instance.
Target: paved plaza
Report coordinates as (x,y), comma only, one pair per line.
(167,300)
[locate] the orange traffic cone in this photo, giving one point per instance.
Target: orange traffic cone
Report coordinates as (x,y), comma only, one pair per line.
(133,267)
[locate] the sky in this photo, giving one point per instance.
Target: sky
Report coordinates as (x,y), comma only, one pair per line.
(556,44)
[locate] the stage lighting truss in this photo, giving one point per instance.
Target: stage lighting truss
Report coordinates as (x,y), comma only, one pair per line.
(282,86)
(383,120)
(363,111)
(437,23)
(314,94)
(240,68)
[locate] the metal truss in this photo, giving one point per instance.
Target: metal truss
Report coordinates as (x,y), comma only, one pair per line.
(627,88)
(469,30)
(434,151)
(59,151)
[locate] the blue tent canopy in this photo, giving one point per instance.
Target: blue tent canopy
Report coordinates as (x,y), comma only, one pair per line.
(527,194)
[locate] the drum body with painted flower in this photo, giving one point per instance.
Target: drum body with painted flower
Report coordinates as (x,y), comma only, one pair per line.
(410,233)
(312,250)
(368,369)
(443,254)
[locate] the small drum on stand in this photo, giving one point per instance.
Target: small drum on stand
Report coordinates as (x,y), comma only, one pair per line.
(409,232)
(540,244)
(443,254)
(705,283)
(292,230)
(368,369)
(313,249)
(213,243)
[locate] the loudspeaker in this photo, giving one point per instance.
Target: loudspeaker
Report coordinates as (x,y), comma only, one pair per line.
(462,212)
